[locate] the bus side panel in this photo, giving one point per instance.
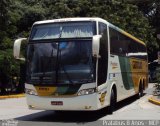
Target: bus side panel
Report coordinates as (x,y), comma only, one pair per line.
(126,72)
(133,71)
(115,77)
(139,73)
(120,74)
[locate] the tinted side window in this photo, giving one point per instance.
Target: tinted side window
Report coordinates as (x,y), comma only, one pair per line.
(132,47)
(102,28)
(137,50)
(118,42)
(103,52)
(122,45)
(123,42)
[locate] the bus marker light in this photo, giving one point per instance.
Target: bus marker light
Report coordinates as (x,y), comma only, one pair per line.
(88,107)
(31,106)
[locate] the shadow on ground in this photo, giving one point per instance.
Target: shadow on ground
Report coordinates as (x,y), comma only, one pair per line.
(73,116)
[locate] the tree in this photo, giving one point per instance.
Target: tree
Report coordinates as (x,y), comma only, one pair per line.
(151,10)
(3,18)
(8,65)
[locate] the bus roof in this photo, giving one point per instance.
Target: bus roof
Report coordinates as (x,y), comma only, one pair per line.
(89,19)
(70,19)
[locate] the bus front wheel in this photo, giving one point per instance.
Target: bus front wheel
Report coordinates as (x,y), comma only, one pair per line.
(112,102)
(140,93)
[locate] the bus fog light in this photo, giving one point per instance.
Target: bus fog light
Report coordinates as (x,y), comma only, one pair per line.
(86,91)
(30,92)
(31,106)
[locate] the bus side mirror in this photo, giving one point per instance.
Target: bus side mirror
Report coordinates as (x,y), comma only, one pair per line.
(17,48)
(95,45)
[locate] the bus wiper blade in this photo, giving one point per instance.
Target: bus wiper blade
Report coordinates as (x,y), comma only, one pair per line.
(58,60)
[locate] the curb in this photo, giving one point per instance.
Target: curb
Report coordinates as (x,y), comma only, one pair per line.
(154,101)
(12,96)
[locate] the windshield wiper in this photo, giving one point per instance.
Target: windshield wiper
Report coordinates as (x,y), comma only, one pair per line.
(58,61)
(57,66)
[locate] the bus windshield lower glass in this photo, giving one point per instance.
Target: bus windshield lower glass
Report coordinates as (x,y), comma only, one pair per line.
(64,62)
(62,30)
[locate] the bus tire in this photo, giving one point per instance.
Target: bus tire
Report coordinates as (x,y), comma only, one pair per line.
(112,102)
(140,93)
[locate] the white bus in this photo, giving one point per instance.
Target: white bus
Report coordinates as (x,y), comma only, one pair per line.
(82,64)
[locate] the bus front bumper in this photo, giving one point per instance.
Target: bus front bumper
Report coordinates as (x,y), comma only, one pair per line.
(84,102)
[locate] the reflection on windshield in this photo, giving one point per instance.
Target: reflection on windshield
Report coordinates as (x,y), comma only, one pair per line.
(70,30)
(64,62)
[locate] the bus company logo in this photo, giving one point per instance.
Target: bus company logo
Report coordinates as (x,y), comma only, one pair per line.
(102,98)
(137,64)
(114,65)
(10,122)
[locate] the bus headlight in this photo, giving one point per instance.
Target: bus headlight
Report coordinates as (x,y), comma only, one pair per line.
(86,91)
(30,92)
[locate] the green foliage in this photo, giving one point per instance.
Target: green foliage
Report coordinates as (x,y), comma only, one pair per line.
(8,65)
(157,85)
(151,10)
(158,74)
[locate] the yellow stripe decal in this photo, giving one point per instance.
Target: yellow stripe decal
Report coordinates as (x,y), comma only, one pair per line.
(134,38)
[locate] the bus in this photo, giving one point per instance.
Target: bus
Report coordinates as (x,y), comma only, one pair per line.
(82,64)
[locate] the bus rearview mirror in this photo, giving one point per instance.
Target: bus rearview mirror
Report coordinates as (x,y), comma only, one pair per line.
(95,45)
(17,48)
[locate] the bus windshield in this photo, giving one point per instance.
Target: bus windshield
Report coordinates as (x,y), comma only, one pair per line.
(62,30)
(63,62)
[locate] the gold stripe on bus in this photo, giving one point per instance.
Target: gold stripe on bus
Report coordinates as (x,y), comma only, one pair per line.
(45,91)
(132,37)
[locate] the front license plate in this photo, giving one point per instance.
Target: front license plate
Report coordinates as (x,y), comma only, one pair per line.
(56,103)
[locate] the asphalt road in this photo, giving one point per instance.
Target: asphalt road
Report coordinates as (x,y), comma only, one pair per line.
(15,111)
